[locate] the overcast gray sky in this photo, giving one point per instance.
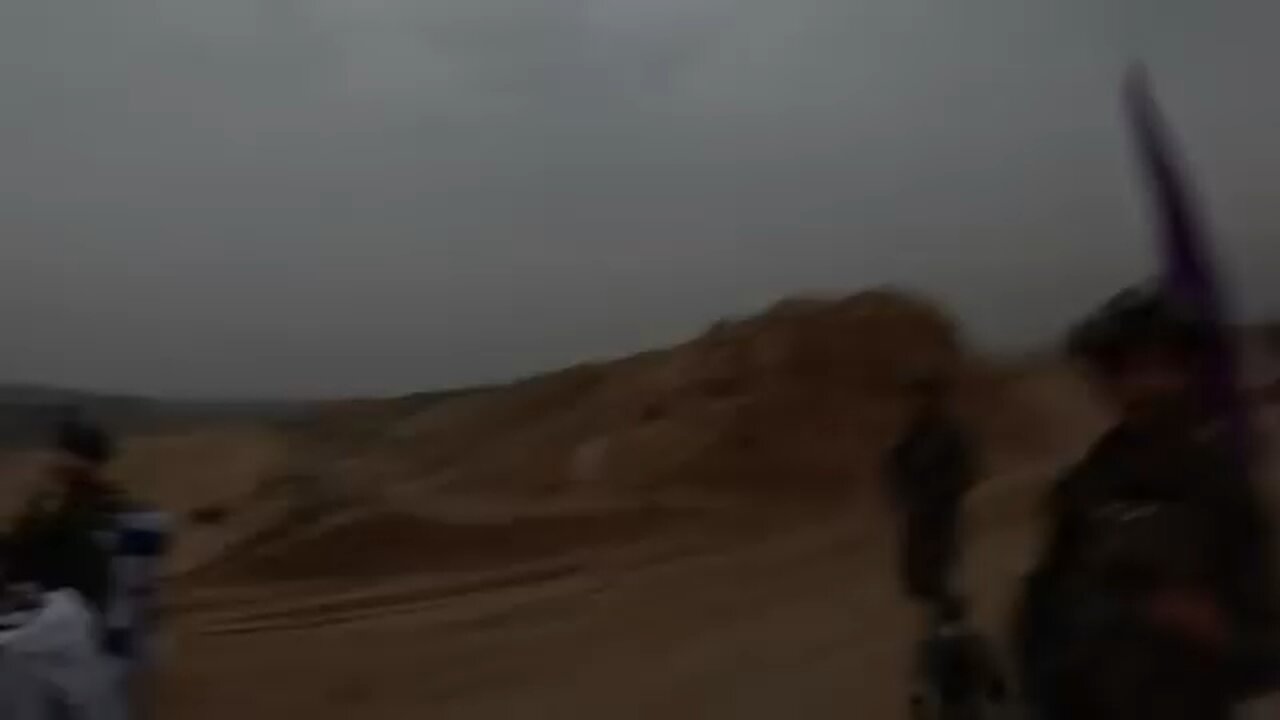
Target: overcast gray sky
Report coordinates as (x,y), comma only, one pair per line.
(299,197)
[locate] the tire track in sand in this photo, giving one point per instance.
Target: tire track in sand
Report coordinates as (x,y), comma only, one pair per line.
(360,607)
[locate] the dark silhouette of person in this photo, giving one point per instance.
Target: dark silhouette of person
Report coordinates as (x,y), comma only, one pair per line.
(1154,595)
(930,468)
(58,540)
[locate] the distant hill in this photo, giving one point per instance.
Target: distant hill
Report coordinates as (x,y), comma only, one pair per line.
(28,412)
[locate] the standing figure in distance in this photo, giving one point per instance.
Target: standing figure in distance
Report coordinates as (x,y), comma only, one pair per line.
(929,470)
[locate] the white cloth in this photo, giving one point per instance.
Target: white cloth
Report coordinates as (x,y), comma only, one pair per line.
(23,695)
(53,660)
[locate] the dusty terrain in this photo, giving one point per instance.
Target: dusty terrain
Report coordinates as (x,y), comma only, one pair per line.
(691,533)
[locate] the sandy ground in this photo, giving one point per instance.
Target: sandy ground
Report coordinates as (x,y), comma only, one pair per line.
(758,618)
(684,622)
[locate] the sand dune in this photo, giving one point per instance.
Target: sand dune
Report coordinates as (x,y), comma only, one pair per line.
(694,532)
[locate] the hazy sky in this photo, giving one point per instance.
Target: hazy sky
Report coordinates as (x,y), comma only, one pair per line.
(294,197)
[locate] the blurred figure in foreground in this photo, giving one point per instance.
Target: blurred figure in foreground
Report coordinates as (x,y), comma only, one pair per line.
(1154,595)
(60,540)
(83,535)
(930,469)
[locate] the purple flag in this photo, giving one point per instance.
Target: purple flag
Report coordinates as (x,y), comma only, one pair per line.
(1189,272)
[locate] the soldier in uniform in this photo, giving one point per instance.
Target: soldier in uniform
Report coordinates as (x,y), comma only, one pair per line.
(930,468)
(59,539)
(1154,595)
